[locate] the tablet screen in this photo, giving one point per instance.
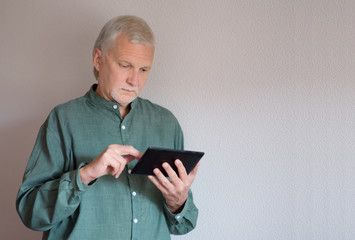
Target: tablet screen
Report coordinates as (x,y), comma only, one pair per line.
(155,157)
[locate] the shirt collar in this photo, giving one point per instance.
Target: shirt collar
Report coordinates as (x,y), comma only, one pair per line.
(101,102)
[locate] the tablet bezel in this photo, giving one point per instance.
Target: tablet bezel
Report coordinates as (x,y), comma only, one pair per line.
(154,158)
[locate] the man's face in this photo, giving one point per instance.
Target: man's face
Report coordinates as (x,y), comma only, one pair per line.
(123,71)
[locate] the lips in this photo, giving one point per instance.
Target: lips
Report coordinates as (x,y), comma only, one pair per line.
(129,90)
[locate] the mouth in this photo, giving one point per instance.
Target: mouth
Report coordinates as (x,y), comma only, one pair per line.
(129,90)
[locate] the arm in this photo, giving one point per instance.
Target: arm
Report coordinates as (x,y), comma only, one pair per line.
(48,194)
(180,211)
(184,221)
(52,189)
(179,208)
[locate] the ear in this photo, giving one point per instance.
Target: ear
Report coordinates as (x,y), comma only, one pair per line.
(97,59)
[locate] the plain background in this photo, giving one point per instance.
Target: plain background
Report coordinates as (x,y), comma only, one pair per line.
(266,88)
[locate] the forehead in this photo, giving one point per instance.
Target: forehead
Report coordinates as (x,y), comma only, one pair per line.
(124,50)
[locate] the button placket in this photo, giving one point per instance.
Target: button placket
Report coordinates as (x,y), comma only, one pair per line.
(135,204)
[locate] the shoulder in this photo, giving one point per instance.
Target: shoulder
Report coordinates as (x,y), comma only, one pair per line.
(69,110)
(71,105)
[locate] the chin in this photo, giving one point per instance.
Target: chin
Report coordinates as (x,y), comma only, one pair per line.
(123,100)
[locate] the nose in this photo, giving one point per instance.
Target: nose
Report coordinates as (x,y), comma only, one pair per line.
(133,78)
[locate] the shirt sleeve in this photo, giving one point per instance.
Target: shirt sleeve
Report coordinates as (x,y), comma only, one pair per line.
(185,221)
(49,192)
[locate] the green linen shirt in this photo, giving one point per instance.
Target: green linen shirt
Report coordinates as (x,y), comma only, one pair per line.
(52,197)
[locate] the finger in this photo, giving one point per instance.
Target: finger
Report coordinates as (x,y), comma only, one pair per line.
(115,168)
(118,163)
(157,183)
(122,166)
(163,180)
(171,173)
(130,150)
(125,150)
(129,158)
(193,173)
(181,169)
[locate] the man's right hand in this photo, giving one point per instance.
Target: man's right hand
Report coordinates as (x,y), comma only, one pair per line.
(111,161)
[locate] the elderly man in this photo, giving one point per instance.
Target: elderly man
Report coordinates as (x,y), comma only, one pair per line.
(77,184)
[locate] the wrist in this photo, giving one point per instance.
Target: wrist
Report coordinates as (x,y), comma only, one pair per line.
(85,175)
(175,208)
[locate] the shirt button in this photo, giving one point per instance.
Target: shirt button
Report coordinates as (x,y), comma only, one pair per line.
(134,193)
(135,220)
(129,171)
(177,216)
(114,107)
(123,127)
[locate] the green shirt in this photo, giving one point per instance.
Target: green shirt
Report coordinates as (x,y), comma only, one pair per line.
(52,197)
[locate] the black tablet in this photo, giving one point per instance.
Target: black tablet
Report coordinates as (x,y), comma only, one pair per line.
(155,157)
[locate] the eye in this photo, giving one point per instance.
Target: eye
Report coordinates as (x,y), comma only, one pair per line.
(144,69)
(124,65)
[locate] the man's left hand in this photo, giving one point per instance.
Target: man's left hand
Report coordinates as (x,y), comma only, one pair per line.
(175,190)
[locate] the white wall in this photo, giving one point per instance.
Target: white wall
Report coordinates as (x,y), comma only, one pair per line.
(266,88)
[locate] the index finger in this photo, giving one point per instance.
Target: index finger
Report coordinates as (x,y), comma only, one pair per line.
(129,150)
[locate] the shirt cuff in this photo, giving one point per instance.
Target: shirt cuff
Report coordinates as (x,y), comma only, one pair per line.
(178,216)
(80,185)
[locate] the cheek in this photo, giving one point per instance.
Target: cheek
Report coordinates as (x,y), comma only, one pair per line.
(141,84)
(117,77)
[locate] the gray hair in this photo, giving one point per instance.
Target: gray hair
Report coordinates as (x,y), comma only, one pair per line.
(135,28)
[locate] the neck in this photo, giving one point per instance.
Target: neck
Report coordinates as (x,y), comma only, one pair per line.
(124,110)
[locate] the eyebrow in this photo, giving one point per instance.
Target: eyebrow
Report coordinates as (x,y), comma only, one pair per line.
(124,61)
